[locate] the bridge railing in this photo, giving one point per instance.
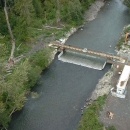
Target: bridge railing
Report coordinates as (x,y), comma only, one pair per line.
(85,50)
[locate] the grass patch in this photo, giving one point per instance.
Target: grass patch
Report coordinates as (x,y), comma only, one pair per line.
(39,61)
(35,32)
(120,42)
(107,74)
(126,29)
(21,48)
(49,32)
(89,120)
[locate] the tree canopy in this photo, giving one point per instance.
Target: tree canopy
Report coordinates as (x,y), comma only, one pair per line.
(127,3)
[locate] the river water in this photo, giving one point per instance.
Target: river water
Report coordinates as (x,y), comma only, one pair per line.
(83,59)
(64,87)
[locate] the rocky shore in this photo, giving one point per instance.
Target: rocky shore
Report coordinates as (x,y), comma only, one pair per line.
(124,51)
(104,85)
(92,13)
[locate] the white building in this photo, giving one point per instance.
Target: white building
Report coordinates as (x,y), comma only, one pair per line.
(122,83)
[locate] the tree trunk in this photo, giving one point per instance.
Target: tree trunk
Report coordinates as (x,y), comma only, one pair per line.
(12,112)
(11,35)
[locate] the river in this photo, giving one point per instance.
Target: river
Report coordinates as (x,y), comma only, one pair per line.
(64,87)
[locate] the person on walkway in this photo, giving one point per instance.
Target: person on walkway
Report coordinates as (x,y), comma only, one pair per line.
(127,35)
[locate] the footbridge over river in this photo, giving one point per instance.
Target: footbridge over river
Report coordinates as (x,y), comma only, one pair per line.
(110,58)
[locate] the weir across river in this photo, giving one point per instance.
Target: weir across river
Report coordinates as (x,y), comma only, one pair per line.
(110,57)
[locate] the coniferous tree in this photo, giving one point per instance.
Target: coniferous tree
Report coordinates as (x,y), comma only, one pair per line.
(23,10)
(38,8)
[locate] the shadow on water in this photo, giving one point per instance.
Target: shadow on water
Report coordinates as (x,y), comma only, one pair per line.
(64,87)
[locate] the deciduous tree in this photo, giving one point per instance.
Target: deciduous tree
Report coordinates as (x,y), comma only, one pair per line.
(23,10)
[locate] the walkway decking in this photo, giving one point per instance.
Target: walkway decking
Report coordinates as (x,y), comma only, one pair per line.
(109,57)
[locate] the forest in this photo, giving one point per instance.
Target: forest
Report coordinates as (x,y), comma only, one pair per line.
(21,21)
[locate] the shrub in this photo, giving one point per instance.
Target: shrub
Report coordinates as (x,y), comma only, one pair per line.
(38,61)
(40,58)
(127,29)
(120,42)
(33,76)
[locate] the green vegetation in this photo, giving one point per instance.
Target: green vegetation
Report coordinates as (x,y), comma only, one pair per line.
(29,19)
(27,14)
(110,128)
(16,82)
(120,42)
(89,120)
(127,3)
(38,61)
(126,29)
(122,37)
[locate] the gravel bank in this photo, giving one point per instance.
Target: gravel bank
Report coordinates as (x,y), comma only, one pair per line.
(104,85)
(93,10)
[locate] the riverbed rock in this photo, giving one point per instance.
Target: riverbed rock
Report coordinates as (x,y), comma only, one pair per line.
(93,10)
(128,43)
(67,35)
(104,85)
(124,51)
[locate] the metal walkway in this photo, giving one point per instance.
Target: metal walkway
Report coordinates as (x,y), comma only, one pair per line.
(109,57)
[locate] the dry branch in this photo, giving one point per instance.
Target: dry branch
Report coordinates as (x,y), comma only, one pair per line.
(11,34)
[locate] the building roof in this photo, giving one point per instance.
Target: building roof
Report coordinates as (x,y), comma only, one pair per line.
(124,77)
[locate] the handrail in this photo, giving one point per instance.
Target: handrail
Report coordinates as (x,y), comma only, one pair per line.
(85,50)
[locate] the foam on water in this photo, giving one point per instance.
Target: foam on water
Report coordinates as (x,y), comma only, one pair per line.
(82,59)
